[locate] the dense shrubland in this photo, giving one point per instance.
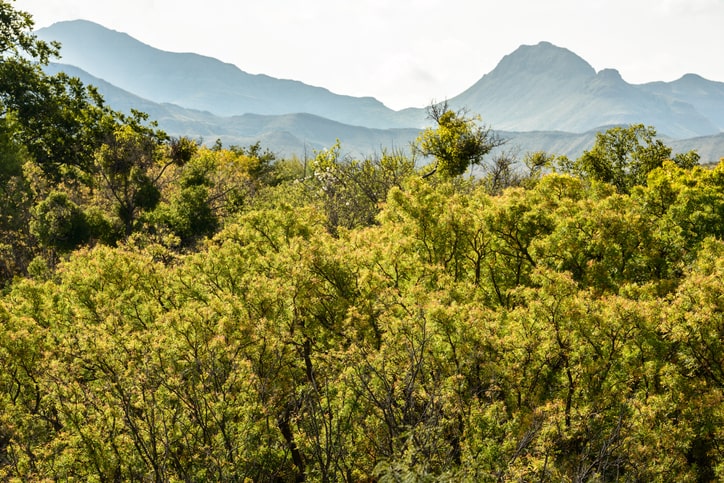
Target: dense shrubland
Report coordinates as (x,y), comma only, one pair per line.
(174,312)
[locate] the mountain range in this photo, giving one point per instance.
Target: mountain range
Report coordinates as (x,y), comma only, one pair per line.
(548,87)
(541,97)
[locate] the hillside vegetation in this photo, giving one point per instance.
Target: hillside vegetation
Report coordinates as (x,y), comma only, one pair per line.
(172,312)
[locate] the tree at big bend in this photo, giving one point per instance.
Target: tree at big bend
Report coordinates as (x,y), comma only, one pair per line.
(456,143)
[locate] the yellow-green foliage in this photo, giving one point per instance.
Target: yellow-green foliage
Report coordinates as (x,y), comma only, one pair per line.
(562,332)
(176,313)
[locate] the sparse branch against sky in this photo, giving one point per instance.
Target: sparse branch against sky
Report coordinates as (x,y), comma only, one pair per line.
(407,53)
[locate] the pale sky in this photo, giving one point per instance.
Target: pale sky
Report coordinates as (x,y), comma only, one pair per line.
(407,53)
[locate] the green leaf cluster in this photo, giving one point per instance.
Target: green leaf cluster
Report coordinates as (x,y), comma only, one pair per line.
(624,156)
(456,143)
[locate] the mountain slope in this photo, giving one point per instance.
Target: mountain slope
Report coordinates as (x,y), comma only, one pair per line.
(706,96)
(302,134)
(286,134)
(198,82)
(535,88)
(535,94)
(544,87)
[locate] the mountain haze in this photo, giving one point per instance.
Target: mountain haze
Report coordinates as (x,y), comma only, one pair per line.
(542,86)
(285,134)
(204,83)
(704,95)
(542,96)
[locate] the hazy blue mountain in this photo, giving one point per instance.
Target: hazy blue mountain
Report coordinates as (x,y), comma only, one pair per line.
(175,120)
(300,134)
(285,134)
(204,83)
(545,87)
(297,134)
(542,96)
(706,96)
(710,148)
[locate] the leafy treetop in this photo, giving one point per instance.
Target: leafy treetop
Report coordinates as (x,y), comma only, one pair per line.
(457,142)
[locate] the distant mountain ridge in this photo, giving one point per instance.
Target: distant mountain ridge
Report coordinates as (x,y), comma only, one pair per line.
(285,134)
(548,87)
(199,82)
(704,95)
(538,93)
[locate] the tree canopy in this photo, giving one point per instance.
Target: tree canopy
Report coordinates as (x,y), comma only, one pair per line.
(624,156)
(456,143)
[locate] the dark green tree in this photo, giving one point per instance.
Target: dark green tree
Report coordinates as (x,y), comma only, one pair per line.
(59,223)
(624,156)
(58,118)
(130,164)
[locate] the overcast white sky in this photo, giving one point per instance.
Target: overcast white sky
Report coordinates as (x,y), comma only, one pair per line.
(409,52)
